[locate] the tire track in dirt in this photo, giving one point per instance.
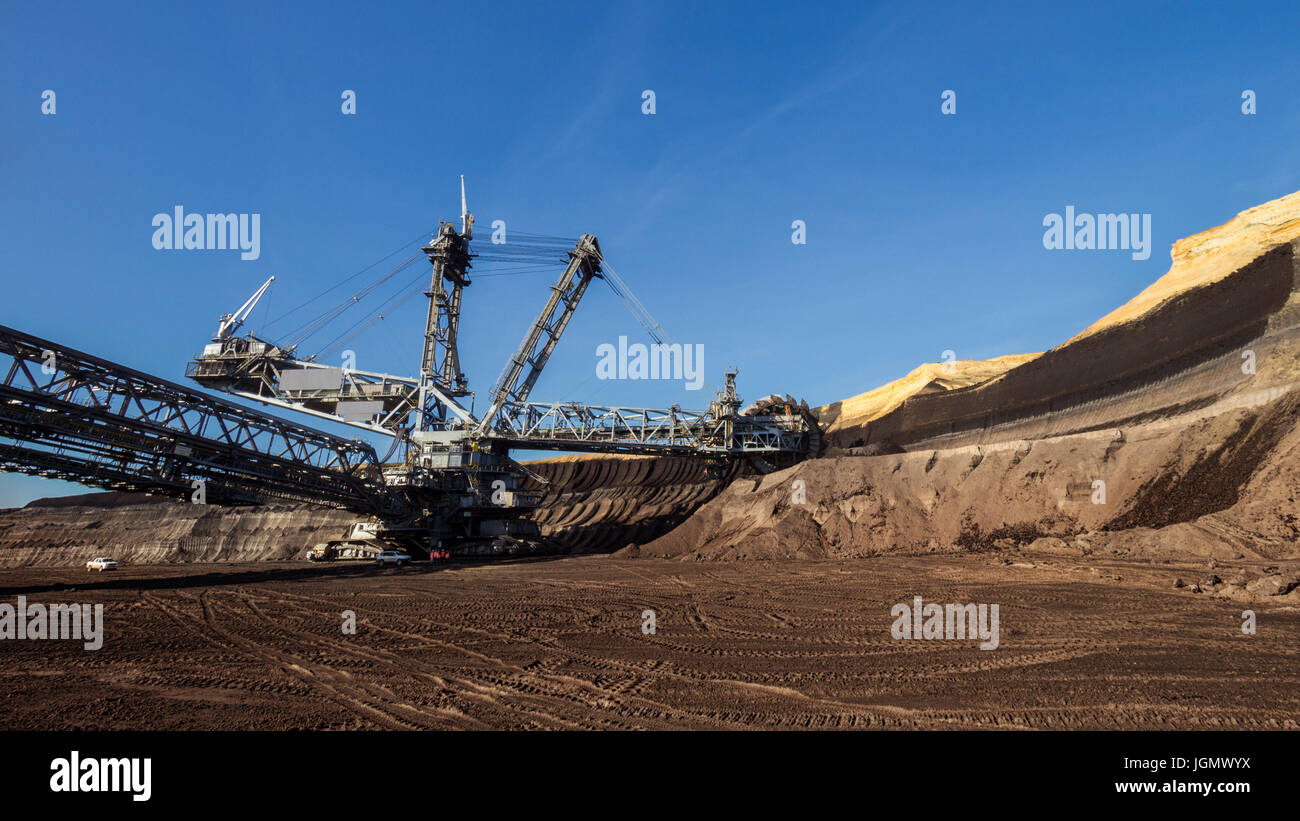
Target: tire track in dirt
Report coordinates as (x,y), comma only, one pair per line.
(559,644)
(361,700)
(530,684)
(476,704)
(647,709)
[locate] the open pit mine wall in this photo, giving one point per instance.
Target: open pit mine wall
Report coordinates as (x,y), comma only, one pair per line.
(589,505)
(1146,438)
(142,529)
(598,504)
(1061,391)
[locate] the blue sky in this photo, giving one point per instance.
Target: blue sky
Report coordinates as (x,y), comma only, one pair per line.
(924,231)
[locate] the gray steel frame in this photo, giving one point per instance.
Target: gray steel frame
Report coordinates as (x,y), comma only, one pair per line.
(98,423)
(575,426)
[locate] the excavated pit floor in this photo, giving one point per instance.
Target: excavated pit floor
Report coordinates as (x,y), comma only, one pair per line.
(558,643)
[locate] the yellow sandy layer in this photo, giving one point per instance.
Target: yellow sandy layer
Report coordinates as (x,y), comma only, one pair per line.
(927,378)
(1198,260)
(1209,256)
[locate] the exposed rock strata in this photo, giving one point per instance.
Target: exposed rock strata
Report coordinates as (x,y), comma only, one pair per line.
(590,504)
(1181,408)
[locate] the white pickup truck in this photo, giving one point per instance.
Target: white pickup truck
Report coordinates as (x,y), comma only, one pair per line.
(101,564)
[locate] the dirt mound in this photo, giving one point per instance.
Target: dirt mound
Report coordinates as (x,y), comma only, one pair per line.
(1168,428)
(1222,485)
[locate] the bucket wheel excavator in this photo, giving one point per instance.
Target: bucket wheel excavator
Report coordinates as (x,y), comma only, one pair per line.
(449,481)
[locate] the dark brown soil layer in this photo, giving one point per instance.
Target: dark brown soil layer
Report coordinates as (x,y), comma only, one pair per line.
(557,643)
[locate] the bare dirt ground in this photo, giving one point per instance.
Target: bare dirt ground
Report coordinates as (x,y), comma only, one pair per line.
(558,643)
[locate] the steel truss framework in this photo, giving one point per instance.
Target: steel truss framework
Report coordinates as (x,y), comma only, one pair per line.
(69,415)
(545,332)
(256,369)
(575,426)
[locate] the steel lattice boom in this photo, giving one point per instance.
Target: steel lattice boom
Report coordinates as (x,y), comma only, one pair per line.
(69,415)
(605,428)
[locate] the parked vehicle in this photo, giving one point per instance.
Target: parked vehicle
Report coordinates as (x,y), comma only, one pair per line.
(394,558)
